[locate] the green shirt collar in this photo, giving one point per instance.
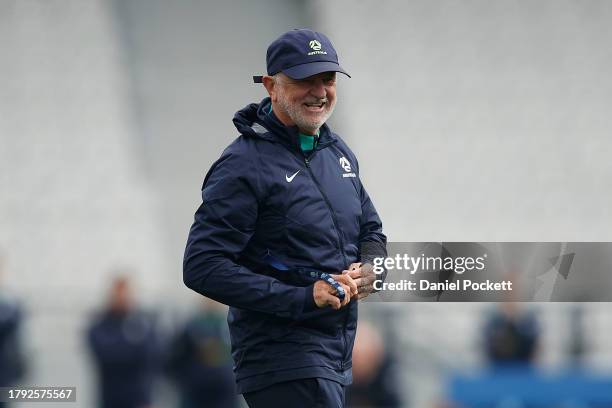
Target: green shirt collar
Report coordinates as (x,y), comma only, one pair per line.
(308,142)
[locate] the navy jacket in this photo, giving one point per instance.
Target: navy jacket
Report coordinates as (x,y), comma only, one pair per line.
(264,198)
(12,361)
(126,350)
(198,361)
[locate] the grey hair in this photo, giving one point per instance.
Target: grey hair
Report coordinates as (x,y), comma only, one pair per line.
(277,77)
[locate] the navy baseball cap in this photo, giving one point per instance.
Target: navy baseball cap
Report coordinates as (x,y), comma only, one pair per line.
(301,53)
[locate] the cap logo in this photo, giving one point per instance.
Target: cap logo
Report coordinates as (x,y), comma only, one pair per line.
(315,45)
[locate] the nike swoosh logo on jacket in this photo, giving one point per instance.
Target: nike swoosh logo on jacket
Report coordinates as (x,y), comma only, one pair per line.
(290,178)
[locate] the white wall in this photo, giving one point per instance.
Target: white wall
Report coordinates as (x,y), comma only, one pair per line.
(479,120)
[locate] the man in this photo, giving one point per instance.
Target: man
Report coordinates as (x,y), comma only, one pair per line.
(198,360)
(125,348)
(12,359)
(286,233)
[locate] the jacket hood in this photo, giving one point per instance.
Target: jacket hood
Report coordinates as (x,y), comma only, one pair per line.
(258,120)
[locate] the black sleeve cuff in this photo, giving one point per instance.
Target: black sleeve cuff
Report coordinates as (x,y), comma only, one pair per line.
(309,302)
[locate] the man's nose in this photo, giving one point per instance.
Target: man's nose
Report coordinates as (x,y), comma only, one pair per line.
(318,89)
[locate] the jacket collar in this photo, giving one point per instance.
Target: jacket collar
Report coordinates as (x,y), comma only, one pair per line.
(258,120)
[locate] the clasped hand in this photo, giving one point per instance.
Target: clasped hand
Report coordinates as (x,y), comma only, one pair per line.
(357,280)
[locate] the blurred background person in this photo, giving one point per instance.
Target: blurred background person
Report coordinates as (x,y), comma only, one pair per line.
(12,360)
(199,360)
(126,350)
(375,382)
(511,335)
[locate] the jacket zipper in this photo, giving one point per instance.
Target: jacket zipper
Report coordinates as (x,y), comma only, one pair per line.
(334,222)
(340,243)
(329,207)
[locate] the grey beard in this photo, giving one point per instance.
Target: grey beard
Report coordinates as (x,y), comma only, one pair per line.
(301,122)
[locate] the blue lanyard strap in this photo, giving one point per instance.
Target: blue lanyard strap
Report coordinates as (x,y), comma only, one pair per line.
(339,289)
(280,266)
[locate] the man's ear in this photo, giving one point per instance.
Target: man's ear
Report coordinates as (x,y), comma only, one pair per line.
(270,84)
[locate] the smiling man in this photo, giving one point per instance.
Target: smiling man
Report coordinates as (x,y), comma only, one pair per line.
(306,103)
(286,234)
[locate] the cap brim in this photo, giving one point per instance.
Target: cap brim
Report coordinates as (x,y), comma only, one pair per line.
(313,68)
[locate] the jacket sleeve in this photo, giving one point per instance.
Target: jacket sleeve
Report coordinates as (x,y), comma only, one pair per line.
(224,223)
